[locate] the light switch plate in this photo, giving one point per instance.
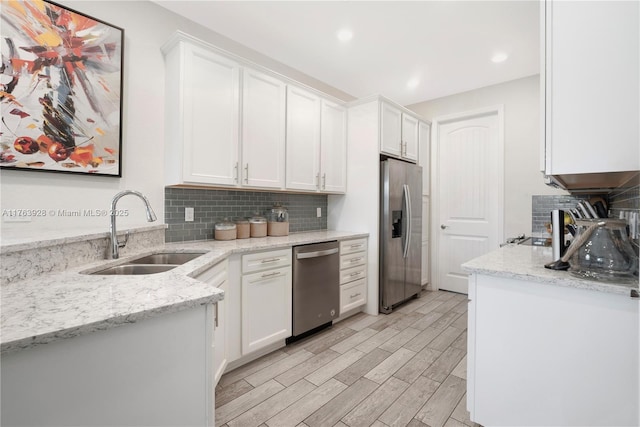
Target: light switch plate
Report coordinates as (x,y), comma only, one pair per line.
(188,214)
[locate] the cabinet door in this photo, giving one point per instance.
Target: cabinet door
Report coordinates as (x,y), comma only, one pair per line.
(266,308)
(263,130)
(592,103)
(303,140)
(218,276)
(220,337)
(410,137)
(424,138)
(353,295)
(553,345)
(390,130)
(210,121)
(333,147)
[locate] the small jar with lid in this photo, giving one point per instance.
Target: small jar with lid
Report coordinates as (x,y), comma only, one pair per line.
(224,230)
(243,229)
(258,225)
(278,224)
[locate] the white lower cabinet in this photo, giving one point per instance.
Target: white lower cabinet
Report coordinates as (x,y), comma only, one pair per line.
(265,299)
(353,295)
(217,276)
(541,354)
(353,274)
(155,371)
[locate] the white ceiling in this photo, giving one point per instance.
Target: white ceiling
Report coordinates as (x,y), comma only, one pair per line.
(447,45)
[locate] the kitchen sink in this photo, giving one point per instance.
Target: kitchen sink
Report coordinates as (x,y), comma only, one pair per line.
(174,258)
(135,269)
(150,264)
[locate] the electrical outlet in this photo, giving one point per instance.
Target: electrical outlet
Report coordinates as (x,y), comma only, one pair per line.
(319,212)
(188,214)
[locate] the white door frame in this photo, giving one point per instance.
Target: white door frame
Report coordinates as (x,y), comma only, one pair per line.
(435,179)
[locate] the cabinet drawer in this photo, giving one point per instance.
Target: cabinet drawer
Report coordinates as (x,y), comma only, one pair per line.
(353,260)
(353,295)
(351,246)
(216,275)
(350,274)
(265,260)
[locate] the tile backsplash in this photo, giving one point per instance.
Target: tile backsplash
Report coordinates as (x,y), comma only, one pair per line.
(621,202)
(624,201)
(542,207)
(213,205)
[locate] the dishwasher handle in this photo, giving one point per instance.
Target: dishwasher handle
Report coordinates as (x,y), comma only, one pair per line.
(316,254)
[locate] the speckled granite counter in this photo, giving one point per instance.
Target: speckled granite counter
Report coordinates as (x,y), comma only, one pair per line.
(527,263)
(62,305)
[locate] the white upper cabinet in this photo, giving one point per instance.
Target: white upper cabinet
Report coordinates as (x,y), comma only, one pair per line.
(410,137)
(316,143)
(591,85)
(231,123)
(303,139)
(390,130)
(263,130)
(202,116)
(398,133)
(333,147)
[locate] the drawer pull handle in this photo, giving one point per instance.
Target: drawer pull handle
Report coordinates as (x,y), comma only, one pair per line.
(356,295)
(356,259)
(264,261)
(357,273)
(355,246)
(275,273)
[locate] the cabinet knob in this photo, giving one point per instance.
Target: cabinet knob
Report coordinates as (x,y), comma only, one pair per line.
(444,227)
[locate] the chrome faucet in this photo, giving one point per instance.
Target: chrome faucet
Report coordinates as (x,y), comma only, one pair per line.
(151,216)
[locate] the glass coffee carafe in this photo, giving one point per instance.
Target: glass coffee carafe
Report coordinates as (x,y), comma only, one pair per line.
(606,254)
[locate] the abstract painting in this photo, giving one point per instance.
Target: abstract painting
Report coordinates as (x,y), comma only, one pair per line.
(60,90)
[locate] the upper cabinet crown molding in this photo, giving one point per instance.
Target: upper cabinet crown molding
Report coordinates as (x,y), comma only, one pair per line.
(590,103)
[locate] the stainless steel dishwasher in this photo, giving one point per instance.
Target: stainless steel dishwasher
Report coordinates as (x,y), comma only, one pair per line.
(316,287)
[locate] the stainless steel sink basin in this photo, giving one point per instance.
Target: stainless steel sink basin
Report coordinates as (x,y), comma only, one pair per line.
(174,258)
(135,269)
(150,264)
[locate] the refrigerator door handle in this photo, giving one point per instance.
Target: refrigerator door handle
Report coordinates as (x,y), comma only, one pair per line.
(407,205)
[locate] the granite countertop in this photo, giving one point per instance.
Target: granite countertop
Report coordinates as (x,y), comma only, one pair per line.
(62,305)
(527,263)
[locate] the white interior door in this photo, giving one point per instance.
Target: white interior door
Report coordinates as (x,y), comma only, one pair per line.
(469,196)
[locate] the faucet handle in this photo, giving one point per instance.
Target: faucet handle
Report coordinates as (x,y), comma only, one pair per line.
(126,239)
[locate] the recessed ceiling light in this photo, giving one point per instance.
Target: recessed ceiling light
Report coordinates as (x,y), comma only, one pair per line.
(345,35)
(499,57)
(413,83)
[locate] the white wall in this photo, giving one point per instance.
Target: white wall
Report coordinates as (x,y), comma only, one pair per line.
(147,26)
(521,100)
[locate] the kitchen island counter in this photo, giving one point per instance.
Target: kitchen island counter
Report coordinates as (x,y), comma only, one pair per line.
(527,263)
(54,306)
(569,345)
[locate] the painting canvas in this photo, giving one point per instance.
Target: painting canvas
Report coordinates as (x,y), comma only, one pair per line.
(60,90)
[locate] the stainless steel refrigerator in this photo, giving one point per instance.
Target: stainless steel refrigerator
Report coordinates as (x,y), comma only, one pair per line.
(400,232)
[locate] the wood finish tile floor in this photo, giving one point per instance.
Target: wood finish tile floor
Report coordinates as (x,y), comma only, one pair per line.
(407,368)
